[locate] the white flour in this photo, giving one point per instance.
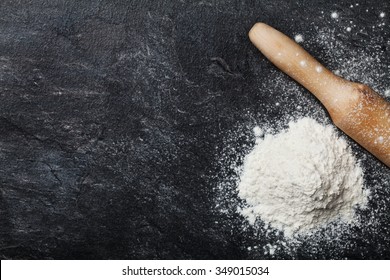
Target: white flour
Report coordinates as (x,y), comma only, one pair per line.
(301,178)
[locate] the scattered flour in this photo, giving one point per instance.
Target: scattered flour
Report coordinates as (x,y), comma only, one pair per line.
(301,179)
(368,64)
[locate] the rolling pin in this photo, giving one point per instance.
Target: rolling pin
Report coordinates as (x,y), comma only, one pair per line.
(353,107)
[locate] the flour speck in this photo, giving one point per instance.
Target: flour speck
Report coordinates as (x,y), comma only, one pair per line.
(334,15)
(257,131)
(380,139)
(298,38)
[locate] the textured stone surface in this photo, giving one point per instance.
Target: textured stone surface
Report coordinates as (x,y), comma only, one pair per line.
(110,115)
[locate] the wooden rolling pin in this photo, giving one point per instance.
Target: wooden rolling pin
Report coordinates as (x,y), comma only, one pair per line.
(355,108)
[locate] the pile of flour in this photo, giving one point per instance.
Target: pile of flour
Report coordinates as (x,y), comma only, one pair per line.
(301,179)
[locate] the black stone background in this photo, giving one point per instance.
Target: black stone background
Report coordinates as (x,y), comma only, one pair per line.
(110,115)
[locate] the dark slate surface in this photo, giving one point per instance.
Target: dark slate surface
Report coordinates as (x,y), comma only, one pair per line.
(112,113)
